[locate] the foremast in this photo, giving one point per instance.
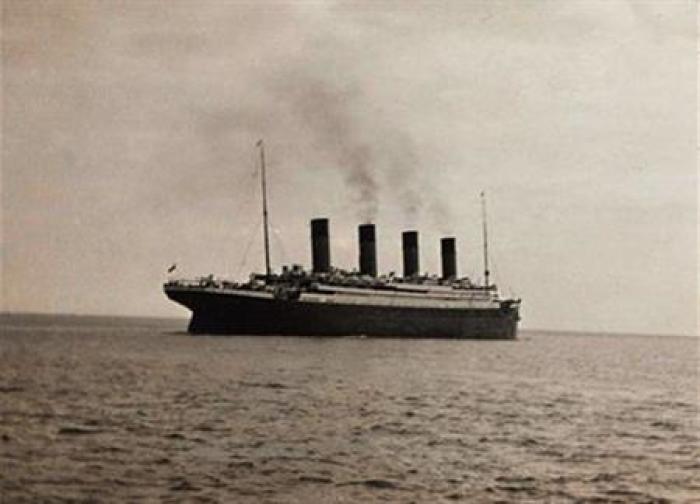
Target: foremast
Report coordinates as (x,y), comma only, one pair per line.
(266,233)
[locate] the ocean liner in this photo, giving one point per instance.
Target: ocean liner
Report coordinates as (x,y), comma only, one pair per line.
(328,301)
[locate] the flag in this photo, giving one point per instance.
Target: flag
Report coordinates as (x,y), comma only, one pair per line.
(259,143)
(172,268)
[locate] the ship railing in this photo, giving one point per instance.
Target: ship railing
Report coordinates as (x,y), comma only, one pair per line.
(202,282)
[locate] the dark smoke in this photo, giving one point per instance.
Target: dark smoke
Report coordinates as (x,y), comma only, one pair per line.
(373,159)
(403,174)
(377,161)
(326,111)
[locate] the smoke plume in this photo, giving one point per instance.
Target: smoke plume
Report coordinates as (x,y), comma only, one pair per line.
(378,162)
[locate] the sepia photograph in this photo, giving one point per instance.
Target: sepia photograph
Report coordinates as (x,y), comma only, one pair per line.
(352,251)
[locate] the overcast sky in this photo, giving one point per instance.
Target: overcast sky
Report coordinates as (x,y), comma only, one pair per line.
(129,132)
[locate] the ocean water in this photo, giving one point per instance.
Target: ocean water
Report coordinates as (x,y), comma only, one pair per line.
(100,409)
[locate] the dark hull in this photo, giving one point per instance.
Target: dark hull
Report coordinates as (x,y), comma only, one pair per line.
(218,313)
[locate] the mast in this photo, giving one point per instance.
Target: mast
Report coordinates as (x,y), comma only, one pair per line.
(264,207)
(485,236)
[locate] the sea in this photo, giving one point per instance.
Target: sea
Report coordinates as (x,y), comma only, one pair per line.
(96,409)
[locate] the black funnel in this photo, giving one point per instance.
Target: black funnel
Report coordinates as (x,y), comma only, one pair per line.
(368,250)
(411,265)
(320,246)
(448,251)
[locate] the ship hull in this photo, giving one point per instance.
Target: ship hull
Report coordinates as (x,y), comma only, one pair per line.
(228,313)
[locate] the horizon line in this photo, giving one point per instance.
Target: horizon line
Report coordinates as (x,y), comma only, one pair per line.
(581,332)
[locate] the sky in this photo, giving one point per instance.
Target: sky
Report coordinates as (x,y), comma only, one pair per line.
(129,131)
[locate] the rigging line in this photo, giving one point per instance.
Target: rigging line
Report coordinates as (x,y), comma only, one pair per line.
(248,190)
(251,237)
(244,204)
(280,245)
(247,183)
